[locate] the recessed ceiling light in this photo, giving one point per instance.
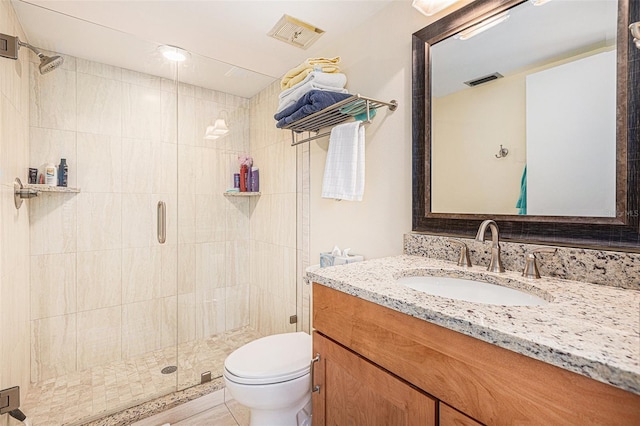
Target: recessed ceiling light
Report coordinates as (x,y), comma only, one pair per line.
(174,53)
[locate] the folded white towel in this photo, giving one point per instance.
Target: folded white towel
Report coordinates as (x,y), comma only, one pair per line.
(314,81)
(344,168)
(338,80)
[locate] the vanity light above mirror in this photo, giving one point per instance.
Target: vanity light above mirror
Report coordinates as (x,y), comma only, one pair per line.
(431,7)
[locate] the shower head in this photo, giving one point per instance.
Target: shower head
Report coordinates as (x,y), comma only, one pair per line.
(9,46)
(47,63)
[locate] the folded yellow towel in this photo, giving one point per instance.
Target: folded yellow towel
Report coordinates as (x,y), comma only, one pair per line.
(297,74)
(329,69)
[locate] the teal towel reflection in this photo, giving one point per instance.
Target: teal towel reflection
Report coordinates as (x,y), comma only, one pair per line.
(521,205)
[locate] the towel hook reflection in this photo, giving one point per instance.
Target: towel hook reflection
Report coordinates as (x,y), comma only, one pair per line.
(635,32)
(502,153)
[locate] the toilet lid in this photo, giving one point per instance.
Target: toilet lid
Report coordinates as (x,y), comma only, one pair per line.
(271,359)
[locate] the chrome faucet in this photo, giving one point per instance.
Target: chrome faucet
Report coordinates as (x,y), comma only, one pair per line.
(495,264)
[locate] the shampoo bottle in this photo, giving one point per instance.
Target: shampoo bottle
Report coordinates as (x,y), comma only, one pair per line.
(63,172)
(243,179)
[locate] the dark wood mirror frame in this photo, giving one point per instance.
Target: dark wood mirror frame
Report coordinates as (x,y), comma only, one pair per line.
(619,233)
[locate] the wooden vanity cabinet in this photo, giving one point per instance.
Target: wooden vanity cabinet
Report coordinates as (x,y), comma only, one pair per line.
(365,347)
(449,416)
(353,391)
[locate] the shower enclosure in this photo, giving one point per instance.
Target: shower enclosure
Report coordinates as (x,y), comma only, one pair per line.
(142,282)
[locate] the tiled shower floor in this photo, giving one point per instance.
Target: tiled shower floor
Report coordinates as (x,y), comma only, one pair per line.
(78,397)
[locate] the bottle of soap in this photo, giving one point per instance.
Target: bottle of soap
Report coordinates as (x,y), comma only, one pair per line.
(255,179)
(50,174)
(63,172)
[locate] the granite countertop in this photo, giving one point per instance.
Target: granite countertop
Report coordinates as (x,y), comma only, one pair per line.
(590,329)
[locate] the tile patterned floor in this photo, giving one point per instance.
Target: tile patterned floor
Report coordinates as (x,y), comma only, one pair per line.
(79,397)
(228,414)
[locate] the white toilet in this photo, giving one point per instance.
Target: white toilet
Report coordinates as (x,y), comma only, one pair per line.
(271,377)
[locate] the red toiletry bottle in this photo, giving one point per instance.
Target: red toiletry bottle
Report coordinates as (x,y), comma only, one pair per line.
(243,178)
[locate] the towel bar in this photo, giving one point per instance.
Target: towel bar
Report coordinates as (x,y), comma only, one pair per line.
(334,115)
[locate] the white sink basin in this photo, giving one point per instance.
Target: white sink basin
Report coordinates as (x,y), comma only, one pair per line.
(471,291)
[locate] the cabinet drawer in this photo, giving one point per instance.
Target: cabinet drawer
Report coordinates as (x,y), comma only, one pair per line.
(449,416)
(353,391)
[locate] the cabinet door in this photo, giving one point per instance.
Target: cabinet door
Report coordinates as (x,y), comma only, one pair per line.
(353,391)
(452,417)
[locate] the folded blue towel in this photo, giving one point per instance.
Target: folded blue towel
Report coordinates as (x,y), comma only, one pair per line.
(521,205)
(311,102)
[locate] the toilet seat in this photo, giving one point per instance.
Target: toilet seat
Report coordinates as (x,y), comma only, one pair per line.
(272,359)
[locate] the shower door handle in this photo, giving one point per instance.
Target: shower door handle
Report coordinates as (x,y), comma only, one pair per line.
(162,222)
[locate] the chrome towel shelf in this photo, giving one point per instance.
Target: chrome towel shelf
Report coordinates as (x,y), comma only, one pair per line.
(334,115)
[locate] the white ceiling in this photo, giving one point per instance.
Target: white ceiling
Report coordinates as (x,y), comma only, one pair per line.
(532,36)
(224,37)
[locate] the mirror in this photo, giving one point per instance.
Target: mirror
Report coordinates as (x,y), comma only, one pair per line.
(538,137)
(538,89)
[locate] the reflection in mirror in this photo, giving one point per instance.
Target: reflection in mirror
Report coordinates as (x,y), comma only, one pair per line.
(540,82)
(577,225)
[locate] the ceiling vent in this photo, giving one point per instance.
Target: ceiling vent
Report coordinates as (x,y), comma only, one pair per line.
(484,79)
(295,32)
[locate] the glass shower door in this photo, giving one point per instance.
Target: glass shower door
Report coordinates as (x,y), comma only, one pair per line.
(214,226)
(104,288)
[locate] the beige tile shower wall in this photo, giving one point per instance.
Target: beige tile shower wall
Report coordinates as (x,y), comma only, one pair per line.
(273,220)
(14,224)
(103,288)
(303,236)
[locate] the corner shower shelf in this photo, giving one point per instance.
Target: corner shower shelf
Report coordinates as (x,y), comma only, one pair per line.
(23,192)
(241,194)
(334,115)
(51,189)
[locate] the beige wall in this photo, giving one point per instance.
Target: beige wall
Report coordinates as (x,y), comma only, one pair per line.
(273,220)
(466,176)
(14,224)
(376,57)
(103,289)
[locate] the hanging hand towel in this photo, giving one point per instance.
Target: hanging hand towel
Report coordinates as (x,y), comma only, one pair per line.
(344,168)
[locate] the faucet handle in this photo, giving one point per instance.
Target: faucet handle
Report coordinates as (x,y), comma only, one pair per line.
(464,259)
(530,264)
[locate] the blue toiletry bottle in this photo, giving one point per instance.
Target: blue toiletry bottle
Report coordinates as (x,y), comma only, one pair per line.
(63,172)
